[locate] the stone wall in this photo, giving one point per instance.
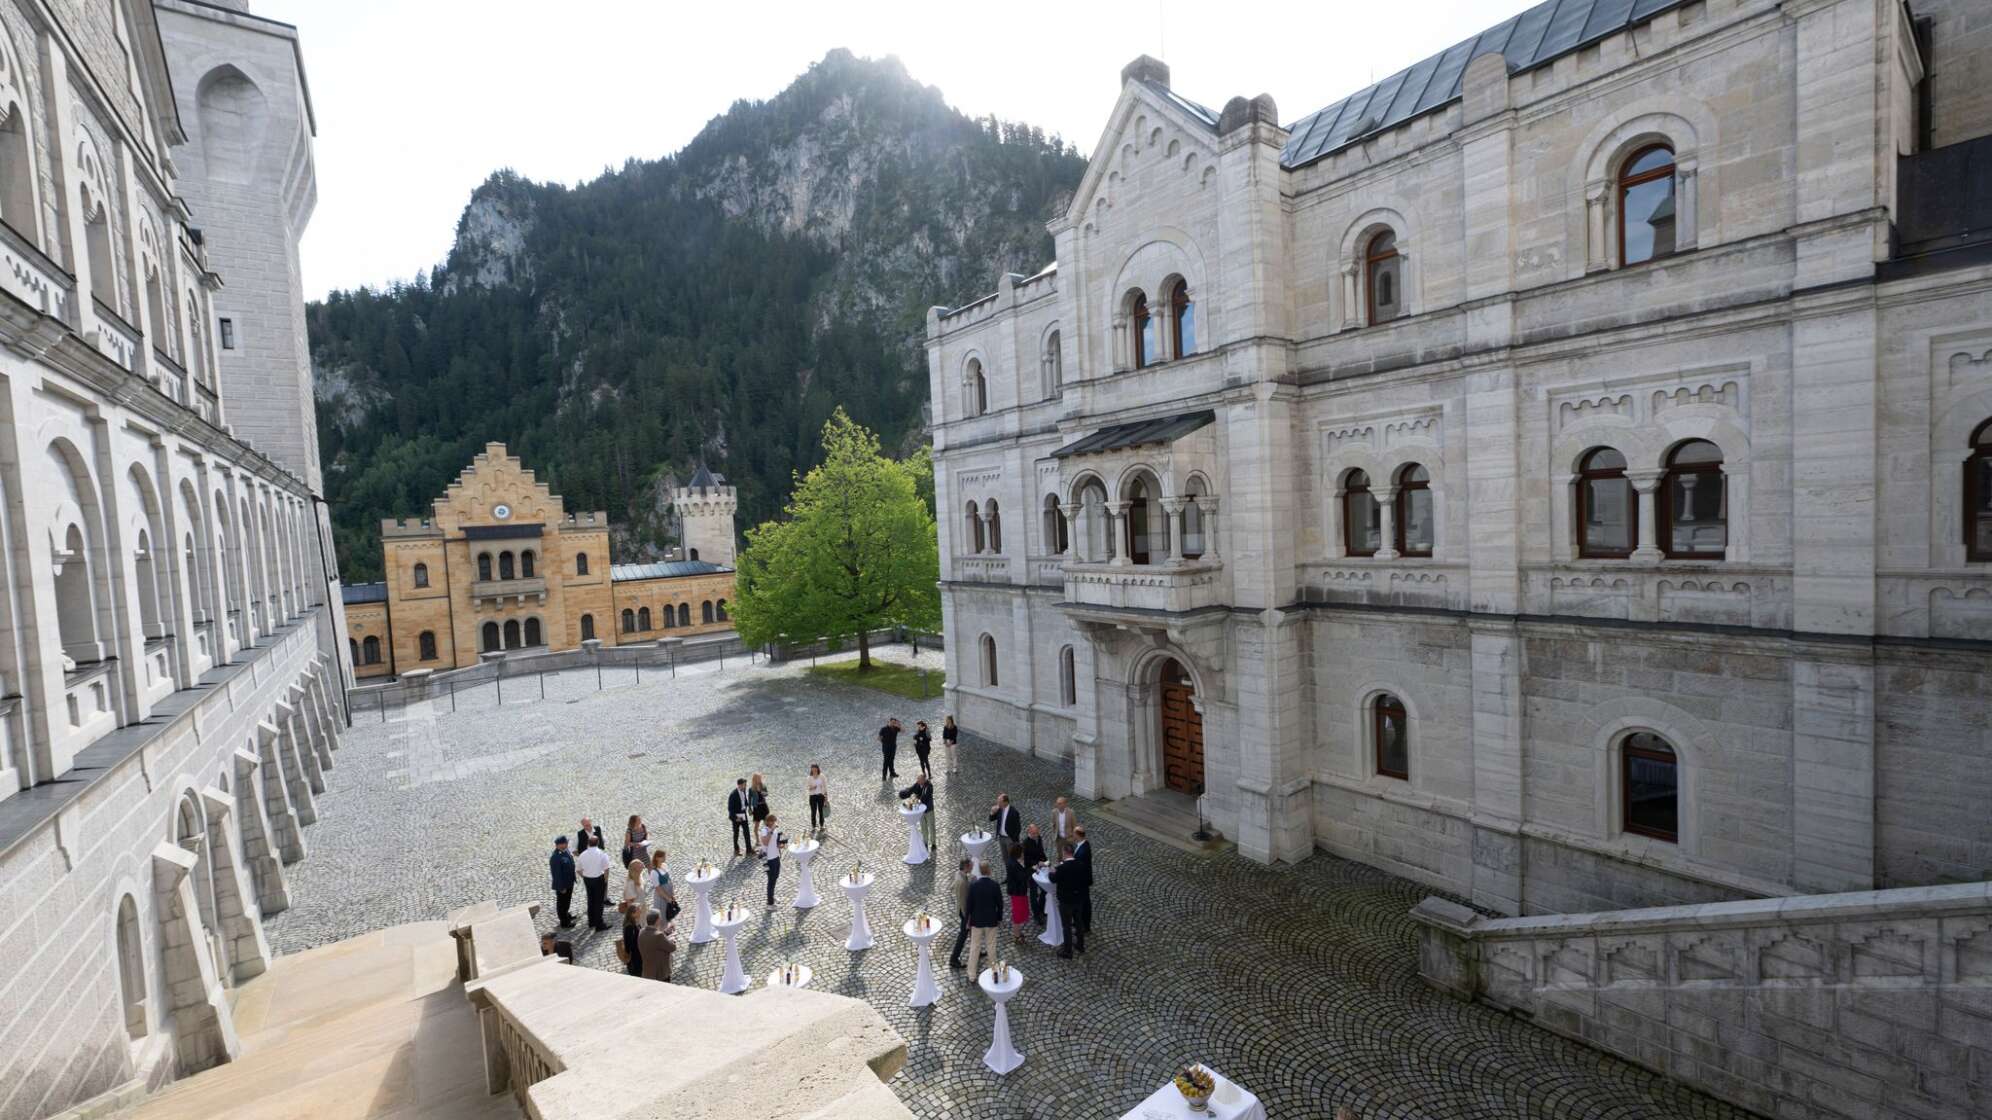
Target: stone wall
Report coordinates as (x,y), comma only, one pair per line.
(1872,1004)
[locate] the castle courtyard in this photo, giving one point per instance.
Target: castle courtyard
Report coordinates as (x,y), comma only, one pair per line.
(1298,981)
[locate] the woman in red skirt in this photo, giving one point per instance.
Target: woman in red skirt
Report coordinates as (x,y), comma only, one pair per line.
(1016,880)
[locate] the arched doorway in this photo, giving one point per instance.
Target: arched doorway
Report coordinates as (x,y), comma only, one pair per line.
(1182,730)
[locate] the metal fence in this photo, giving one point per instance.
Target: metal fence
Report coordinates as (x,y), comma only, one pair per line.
(522,677)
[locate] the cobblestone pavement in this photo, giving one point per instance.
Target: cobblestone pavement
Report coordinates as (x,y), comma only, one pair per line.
(1299,982)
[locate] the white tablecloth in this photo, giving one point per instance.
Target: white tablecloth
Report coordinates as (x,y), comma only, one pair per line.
(1229,1102)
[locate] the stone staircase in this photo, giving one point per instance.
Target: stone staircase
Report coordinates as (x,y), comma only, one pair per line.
(1166,816)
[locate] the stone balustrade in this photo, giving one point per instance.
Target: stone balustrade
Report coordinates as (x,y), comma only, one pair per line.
(1176,586)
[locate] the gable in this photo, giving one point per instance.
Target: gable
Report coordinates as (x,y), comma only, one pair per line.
(1150,131)
(495,478)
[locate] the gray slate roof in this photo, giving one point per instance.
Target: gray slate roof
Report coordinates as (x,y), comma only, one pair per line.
(363,593)
(1164,429)
(1542,34)
(669,569)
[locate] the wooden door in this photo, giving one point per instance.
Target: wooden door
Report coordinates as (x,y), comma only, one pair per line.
(1182,733)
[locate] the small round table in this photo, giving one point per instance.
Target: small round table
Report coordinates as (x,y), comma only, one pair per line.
(803,853)
(702,906)
(924,991)
(802,978)
(1002,1056)
(735,977)
(916,848)
(861,934)
(975,843)
(1054,927)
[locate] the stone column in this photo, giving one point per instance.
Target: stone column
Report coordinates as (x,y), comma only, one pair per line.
(1597,248)
(203,1027)
(1353,310)
(248,950)
(1173,508)
(1644,485)
(1386,507)
(1684,203)
(278,783)
(1073,538)
(1208,505)
(1118,548)
(259,849)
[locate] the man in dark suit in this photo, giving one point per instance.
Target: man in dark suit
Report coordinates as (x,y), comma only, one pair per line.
(1069,880)
(960,885)
(985,919)
(738,806)
(561,866)
(1033,857)
(923,788)
(1083,853)
(888,745)
(1008,824)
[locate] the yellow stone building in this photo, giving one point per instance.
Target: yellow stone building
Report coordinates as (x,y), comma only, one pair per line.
(502,566)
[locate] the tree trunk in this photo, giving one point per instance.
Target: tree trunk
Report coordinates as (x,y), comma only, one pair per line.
(864,650)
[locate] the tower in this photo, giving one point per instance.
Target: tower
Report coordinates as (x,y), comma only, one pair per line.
(705,509)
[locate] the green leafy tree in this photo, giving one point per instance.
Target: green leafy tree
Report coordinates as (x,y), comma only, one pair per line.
(856,552)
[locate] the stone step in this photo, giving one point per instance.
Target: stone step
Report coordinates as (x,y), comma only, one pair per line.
(1165,816)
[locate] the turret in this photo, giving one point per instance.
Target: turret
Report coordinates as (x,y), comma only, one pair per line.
(705,507)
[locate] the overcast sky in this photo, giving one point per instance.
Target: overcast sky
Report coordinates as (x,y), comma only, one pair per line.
(418,100)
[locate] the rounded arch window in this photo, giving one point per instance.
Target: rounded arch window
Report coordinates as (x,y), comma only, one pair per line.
(1694,511)
(1607,525)
(1196,518)
(580,563)
(705,612)
(427,642)
(526,564)
(484,566)
(995,527)
(1053,364)
(628,620)
(1147,527)
(131,968)
(533,632)
(669,616)
(587,627)
(512,638)
(1182,320)
(371,649)
(1390,733)
(1383,277)
(355,644)
(1362,520)
(506,566)
(1055,533)
(684,614)
(987,647)
(719,610)
(490,637)
(1068,683)
(421,575)
(1650,787)
(1142,326)
(1978,496)
(972,523)
(1414,511)
(643,618)
(978,388)
(1646,205)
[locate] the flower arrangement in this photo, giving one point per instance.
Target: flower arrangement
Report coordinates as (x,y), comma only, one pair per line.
(1196,1084)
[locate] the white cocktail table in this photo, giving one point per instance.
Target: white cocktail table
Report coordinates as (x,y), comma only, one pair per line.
(975,843)
(916,848)
(802,978)
(861,934)
(924,991)
(1054,926)
(735,978)
(803,853)
(1227,1102)
(702,904)
(1002,1056)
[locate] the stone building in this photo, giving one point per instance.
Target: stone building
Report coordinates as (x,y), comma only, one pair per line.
(502,566)
(1560,472)
(168,710)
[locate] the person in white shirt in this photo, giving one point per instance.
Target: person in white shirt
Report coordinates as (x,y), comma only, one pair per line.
(771,842)
(819,798)
(1062,822)
(636,889)
(594,865)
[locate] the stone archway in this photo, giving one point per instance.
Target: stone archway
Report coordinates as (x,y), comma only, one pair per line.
(1180,734)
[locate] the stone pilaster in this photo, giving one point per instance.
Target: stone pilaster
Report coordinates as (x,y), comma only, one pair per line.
(279,784)
(1497,764)
(302,763)
(1833,826)
(203,1028)
(259,848)
(248,950)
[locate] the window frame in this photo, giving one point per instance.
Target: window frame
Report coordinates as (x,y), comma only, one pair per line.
(1371,261)
(1179,302)
(580,563)
(1138,319)
(1585,476)
(1389,703)
(420,574)
(1663,513)
(1405,487)
(1980,449)
(1350,488)
(425,645)
(1627,752)
(1627,182)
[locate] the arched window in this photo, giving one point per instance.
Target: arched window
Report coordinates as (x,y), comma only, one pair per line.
(1096,527)
(974,529)
(695,554)
(1607,524)
(17,179)
(1143,331)
(1052,366)
(719,610)
(355,643)
(1414,511)
(1182,321)
(148,587)
(491,637)
(1383,278)
(1362,521)
(705,612)
(1694,513)
(1147,528)
(505,566)
(1068,682)
(428,644)
(580,563)
(484,566)
(1646,205)
(628,620)
(526,564)
(977,388)
(1978,495)
(75,605)
(512,633)
(1650,786)
(643,618)
(421,575)
(97,240)
(995,527)
(587,627)
(131,968)
(1196,519)
(988,648)
(371,648)
(670,618)
(1055,541)
(533,632)
(1390,731)
(684,614)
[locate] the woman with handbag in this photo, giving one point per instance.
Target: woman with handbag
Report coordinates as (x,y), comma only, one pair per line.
(819,798)
(757,799)
(663,896)
(627,949)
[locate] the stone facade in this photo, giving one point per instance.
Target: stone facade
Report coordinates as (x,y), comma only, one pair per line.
(501,565)
(1155,535)
(169,714)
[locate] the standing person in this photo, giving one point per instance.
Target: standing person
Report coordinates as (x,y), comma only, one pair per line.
(1008,824)
(1083,853)
(923,745)
(1034,858)
(985,918)
(757,799)
(819,798)
(923,788)
(663,896)
(591,834)
(1063,822)
(771,851)
(1017,881)
(636,889)
(636,840)
(950,735)
(737,805)
(1068,879)
(655,947)
(888,746)
(632,929)
(961,912)
(561,866)
(594,865)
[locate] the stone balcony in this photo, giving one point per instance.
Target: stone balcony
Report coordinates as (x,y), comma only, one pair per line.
(1174,587)
(982,569)
(32,277)
(499,590)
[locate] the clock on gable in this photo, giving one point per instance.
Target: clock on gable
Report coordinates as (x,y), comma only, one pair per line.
(501,511)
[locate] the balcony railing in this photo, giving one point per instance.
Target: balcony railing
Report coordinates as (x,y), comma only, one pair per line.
(509,588)
(115,338)
(1048,571)
(1185,586)
(983,569)
(33,278)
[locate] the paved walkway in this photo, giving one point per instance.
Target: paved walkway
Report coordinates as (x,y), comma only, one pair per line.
(1299,982)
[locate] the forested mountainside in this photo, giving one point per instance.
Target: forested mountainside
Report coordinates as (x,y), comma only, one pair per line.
(713,306)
